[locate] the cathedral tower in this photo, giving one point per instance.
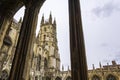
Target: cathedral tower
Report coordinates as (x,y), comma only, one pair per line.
(48,42)
(47,49)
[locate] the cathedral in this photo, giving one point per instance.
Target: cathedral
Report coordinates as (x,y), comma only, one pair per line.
(45,60)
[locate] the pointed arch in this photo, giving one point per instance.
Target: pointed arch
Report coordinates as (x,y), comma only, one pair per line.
(95,77)
(111,77)
(38,62)
(45,63)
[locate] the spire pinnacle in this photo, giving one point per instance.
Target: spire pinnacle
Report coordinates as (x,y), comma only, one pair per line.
(93,66)
(42,20)
(108,66)
(62,68)
(100,65)
(54,23)
(68,68)
(50,18)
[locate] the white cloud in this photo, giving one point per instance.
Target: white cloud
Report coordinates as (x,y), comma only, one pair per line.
(106,10)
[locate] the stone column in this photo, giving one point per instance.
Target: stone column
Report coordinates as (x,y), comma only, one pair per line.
(23,50)
(78,56)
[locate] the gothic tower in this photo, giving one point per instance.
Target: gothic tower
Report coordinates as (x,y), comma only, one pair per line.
(46,57)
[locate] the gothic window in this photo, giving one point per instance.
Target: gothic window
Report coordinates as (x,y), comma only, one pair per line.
(95,77)
(44,37)
(38,62)
(68,78)
(58,78)
(45,63)
(111,77)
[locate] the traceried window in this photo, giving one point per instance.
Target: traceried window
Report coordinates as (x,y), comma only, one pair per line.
(95,77)
(44,38)
(111,77)
(45,63)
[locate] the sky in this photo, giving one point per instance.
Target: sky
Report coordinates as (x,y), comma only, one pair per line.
(100,19)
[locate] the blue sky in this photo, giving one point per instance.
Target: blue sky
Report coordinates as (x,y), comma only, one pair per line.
(100,25)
